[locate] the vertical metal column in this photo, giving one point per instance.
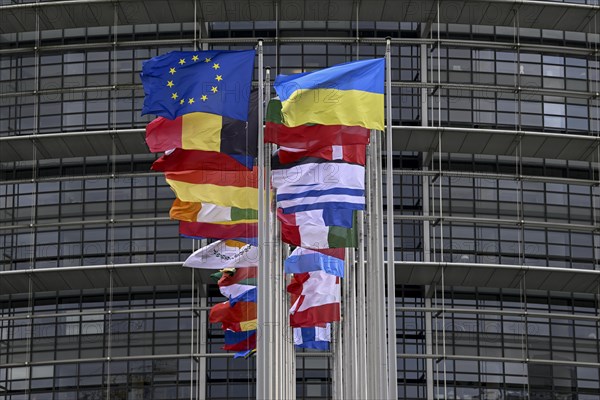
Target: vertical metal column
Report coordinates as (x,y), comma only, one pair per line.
(362,382)
(426,230)
(202,341)
(380,271)
(391,272)
(289,364)
(350,334)
(338,361)
(264,370)
(371,353)
(378,362)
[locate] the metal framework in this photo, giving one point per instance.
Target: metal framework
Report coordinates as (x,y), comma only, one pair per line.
(373,359)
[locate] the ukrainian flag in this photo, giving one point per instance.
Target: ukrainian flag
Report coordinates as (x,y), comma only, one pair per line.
(348,94)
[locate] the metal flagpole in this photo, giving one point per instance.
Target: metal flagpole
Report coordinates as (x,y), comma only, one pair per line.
(290,354)
(272,264)
(338,361)
(391,272)
(351,333)
(347,337)
(379,268)
(263,345)
(362,382)
(370,312)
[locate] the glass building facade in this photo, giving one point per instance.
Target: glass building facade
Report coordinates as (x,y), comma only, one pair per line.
(496,197)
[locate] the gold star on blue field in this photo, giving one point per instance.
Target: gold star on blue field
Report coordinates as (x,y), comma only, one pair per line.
(212,81)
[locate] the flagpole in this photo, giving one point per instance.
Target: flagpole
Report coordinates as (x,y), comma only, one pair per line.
(263,356)
(391,272)
(362,382)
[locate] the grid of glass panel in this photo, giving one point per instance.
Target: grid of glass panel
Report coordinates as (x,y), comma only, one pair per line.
(480,87)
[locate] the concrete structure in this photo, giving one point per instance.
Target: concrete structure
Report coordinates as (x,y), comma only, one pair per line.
(495,137)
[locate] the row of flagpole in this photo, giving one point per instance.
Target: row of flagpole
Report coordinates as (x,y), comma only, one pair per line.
(365,353)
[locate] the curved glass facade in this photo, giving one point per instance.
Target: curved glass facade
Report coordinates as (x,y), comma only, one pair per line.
(496,204)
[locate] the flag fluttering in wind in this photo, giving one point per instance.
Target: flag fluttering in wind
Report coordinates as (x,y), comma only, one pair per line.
(307,260)
(328,216)
(233,282)
(350,94)
(189,160)
(315,299)
(313,183)
(240,341)
(202,230)
(317,337)
(313,235)
(223,188)
(207,132)
(211,213)
(182,82)
(310,137)
(350,153)
(224,254)
(238,318)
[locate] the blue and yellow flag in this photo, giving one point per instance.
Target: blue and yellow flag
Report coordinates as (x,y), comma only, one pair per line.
(348,94)
(182,82)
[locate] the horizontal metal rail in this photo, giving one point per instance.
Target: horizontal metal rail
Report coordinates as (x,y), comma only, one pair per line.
(438,310)
(446,218)
(490,176)
(22,316)
(524,268)
(443,85)
(583,50)
(499,221)
(141,358)
(315,354)
(403,172)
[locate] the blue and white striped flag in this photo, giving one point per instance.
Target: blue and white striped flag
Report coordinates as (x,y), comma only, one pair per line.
(313,338)
(316,184)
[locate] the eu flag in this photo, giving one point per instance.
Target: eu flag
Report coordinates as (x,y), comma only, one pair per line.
(213,81)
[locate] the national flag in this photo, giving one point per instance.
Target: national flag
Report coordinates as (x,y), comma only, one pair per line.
(309,137)
(244,354)
(240,326)
(207,132)
(211,213)
(250,296)
(315,236)
(234,282)
(318,337)
(203,230)
(212,81)
(328,216)
(313,184)
(224,254)
(241,317)
(188,160)
(351,153)
(223,188)
(348,94)
(315,299)
(307,260)
(240,341)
